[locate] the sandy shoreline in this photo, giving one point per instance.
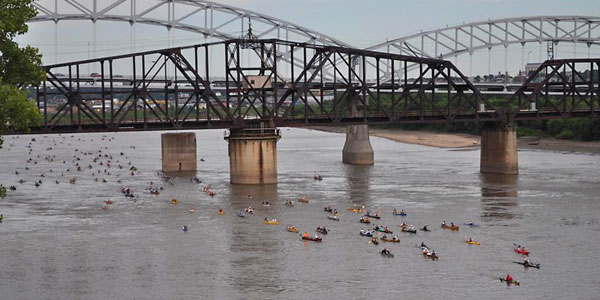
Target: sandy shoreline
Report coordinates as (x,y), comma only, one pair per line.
(469,141)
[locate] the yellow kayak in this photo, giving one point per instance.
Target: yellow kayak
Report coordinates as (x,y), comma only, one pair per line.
(174,201)
(292,229)
(473,243)
(272,222)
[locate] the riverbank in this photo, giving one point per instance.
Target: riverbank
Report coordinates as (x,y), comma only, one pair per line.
(469,141)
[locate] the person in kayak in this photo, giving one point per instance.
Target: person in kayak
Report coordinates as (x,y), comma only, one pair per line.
(443,222)
(509,278)
(395,212)
(423,245)
(470,240)
(425,228)
(305,235)
(385,251)
(526,261)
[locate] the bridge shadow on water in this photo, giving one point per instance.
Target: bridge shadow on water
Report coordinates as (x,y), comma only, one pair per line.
(358,180)
(499,193)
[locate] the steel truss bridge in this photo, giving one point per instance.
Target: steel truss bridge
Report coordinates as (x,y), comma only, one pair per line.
(326,81)
(173,89)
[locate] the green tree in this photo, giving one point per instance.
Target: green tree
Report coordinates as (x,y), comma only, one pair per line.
(19,67)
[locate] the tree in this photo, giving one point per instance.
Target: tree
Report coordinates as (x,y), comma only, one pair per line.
(19,67)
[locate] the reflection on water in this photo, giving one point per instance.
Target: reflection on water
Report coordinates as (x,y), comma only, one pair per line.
(499,193)
(358,178)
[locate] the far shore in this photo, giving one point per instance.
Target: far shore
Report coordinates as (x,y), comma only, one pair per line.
(469,141)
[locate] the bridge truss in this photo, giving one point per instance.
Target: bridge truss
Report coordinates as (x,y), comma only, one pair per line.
(176,89)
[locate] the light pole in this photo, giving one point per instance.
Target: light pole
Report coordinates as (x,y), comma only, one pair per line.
(528,56)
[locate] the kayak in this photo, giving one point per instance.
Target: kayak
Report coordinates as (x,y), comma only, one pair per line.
(473,242)
(292,229)
(303,200)
(402,214)
(374,241)
(328,209)
(366,234)
(174,201)
(366,221)
(425,229)
(472,224)
(372,216)
(272,222)
(521,251)
(314,239)
(509,281)
(381,229)
(221,212)
(192,210)
(356,210)
(387,254)
(335,218)
(322,230)
(432,256)
(451,227)
(391,240)
(528,265)
(409,230)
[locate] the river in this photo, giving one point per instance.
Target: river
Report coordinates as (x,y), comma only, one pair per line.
(56,241)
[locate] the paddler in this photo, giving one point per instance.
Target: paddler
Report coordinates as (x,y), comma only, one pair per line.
(305,235)
(508,278)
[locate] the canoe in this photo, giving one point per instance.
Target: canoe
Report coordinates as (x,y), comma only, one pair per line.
(335,218)
(356,210)
(455,227)
(509,281)
(537,266)
(473,242)
(292,229)
(524,252)
(272,222)
(318,239)
(366,234)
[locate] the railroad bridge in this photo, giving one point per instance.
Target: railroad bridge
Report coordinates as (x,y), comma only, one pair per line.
(261,84)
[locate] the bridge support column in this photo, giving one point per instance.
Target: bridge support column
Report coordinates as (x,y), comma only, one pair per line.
(178,152)
(253,155)
(357,149)
(499,149)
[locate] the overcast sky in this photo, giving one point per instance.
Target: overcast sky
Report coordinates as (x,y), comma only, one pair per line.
(359,23)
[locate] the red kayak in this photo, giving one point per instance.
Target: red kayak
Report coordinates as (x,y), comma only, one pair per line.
(521,251)
(318,239)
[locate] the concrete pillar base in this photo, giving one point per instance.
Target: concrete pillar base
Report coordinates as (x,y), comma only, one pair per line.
(499,149)
(357,149)
(253,155)
(178,152)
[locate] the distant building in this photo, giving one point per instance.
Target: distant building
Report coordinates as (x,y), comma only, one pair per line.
(257,82)
(531,67)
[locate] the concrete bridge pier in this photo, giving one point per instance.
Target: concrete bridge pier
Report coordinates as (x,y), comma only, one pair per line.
(253,155)
(178,152)
(357,149)
(499,149)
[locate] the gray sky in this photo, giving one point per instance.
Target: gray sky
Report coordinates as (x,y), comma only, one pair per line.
(359,23)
